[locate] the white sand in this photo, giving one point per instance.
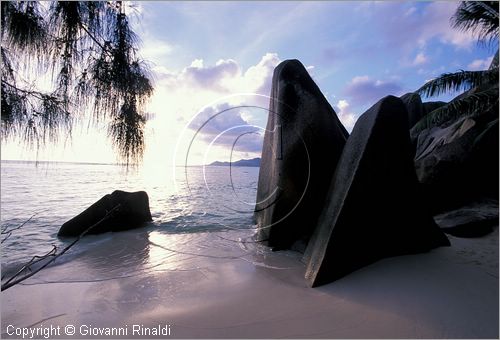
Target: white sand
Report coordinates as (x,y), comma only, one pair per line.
(247,292)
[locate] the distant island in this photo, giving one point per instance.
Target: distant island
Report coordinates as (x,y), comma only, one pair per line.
(242,162)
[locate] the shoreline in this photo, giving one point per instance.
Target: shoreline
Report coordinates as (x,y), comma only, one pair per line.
(205,286)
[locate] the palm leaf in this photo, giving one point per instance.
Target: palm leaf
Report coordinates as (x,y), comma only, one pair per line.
(479,17)
(458,81)
(494,62)
(471,105)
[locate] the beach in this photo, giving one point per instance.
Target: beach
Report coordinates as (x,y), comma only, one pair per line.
(221,285)
(181,169)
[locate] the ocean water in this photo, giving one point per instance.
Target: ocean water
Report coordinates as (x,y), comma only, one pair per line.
(183,200)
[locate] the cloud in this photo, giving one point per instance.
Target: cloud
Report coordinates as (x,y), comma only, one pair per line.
(155,50)
(210,88)
(215,119)
(420,59)
(246,141)
(226,76)
(365,90)
(199,76)
(347,117)
(211,76)
(225,126)
(259,77)
(480,64)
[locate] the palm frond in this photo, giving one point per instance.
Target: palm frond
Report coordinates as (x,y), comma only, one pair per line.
(479,17)
(494,62)
(458,81)
(471,105)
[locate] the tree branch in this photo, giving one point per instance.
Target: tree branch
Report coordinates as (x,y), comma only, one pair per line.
(36,94)
(34,259)
(8,232)
(12,281)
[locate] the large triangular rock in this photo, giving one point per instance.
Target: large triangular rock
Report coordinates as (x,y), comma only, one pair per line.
(414,106)
(373,209)
(302,145)
(431,106)
(457,163)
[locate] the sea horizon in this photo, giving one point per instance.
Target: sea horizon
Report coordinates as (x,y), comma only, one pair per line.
(104,163)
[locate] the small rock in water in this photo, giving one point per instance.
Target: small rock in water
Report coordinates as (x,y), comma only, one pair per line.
(132,213)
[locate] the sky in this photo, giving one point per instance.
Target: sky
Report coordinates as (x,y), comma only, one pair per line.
(212,65)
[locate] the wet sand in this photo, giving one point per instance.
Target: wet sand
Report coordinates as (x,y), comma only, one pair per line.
(209,285)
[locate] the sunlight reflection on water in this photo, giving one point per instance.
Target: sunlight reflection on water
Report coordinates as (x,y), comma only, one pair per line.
(60,191)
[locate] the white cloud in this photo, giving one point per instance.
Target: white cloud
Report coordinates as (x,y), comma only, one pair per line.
(226,76)
(480,64)
(420,59)
(197,63)
(359,79)
(347,117)
(155,50)
(202,88)
(162,71)
(258,78)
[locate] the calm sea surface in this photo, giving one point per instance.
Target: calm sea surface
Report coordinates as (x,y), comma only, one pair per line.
(182,200)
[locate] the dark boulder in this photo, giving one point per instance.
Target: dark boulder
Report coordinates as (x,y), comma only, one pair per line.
(473,220)
(431,106)
(302,144)
(133,211)
(458,163)
(373,208)
(414,106)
